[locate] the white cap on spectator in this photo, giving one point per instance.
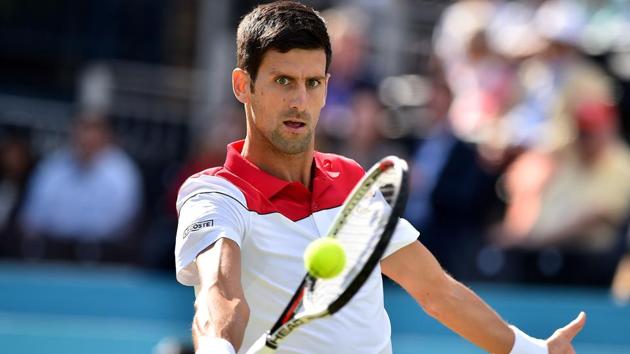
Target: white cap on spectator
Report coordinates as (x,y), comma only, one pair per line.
(459,22)
(510,31)
(561,21)
(95,88)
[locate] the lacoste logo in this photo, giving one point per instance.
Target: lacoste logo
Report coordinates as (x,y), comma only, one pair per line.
(198,226)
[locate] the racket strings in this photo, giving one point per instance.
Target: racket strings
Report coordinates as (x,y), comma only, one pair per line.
(359,233)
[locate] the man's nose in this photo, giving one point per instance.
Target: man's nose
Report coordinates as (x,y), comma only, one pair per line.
(299,98)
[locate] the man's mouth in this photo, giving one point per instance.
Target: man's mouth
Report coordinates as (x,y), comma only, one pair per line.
(294,124)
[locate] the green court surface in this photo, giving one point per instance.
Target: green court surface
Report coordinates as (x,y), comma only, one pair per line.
(59,309)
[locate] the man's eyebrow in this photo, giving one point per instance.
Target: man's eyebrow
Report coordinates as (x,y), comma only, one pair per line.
(276,73)
(279,73)
(317,77)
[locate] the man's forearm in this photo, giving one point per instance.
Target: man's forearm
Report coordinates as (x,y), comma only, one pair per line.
(450,302)
(219,316)
(461,310)
(220,307)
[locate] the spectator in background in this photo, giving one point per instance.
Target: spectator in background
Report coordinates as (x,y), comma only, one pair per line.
(16,162)
(574,200)
(83,200)
(451,192)
(481,43)
(347,37)
(368,143)
(353,120)
(554,80)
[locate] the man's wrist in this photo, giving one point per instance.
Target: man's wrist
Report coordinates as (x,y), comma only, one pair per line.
(206,345)
(524,344)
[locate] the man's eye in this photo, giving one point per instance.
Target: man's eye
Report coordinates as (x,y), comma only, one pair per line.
(313,83)
(282,81)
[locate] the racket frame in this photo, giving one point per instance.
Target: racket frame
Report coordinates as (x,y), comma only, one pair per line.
(289,320)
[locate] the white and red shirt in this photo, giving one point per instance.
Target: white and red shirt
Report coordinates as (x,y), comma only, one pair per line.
(273,221)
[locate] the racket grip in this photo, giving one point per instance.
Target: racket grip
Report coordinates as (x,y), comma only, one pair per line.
(260,346)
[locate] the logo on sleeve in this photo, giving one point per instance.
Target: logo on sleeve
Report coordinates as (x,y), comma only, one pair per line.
(198,226)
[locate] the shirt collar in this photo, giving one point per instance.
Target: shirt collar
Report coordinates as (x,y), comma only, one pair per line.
(270,185)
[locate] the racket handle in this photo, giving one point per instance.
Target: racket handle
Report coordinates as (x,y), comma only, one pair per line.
(261,347)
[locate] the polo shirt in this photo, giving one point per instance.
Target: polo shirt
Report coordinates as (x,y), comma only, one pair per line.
(273,221)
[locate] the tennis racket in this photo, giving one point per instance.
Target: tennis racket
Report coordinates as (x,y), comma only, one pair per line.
(364,227)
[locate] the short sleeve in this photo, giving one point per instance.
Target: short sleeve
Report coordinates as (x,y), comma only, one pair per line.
(404,234)
(209,209)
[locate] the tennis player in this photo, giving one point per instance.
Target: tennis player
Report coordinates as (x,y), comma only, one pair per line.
(243,226)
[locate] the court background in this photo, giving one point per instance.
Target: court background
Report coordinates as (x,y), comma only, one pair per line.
(60,309)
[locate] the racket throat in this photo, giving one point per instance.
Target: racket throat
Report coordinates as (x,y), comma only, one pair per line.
(270,343)
(295,305)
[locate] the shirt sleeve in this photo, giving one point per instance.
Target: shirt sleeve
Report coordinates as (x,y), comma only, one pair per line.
(208,211)
(404,234)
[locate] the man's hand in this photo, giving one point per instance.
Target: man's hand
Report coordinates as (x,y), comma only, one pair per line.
(560,341)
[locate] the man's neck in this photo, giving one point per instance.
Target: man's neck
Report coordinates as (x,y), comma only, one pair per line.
(288,167)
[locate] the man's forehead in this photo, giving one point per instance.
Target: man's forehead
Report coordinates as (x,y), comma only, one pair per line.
(298,62)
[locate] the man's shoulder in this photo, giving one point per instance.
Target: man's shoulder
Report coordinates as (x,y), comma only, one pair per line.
(57,162)
(210,178)
(212,171)
(115,162)
(222,180)
(215,180)
(61,156)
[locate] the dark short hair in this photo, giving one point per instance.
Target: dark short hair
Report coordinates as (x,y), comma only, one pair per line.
(282,26)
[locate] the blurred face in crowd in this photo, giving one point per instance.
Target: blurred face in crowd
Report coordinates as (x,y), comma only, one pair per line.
(440,98)
(284,102)
(15,158)
(596,127)
(349,51)
(91,135)
(591,143)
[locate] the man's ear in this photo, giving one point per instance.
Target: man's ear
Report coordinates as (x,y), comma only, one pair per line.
(326,89)
(241,82)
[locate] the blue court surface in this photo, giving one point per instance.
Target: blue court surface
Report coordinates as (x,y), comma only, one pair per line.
(58,309)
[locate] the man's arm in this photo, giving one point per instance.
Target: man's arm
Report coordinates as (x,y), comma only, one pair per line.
(220,307)
(459,308)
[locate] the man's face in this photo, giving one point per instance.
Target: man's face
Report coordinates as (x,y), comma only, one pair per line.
(90,137)
(287,97)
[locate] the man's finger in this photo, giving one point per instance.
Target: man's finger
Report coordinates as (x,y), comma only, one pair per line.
(572,329)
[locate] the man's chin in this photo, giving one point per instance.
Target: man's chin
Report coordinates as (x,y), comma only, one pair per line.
(292,147)
(293,150)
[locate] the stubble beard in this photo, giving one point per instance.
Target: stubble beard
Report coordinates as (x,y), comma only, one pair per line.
(294,146)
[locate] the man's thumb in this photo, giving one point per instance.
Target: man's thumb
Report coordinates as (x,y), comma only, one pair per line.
(573,328)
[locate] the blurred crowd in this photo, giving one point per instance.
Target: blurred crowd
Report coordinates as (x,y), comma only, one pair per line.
(513,128)
(546,195)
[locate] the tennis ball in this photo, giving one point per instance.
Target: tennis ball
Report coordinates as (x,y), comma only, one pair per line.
(324,258)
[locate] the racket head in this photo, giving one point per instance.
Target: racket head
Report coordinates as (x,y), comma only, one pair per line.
(376,202)
(364,226)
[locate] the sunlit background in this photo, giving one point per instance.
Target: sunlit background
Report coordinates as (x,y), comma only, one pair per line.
(514,117)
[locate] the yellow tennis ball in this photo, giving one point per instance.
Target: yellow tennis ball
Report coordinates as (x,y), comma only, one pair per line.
(324,258)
